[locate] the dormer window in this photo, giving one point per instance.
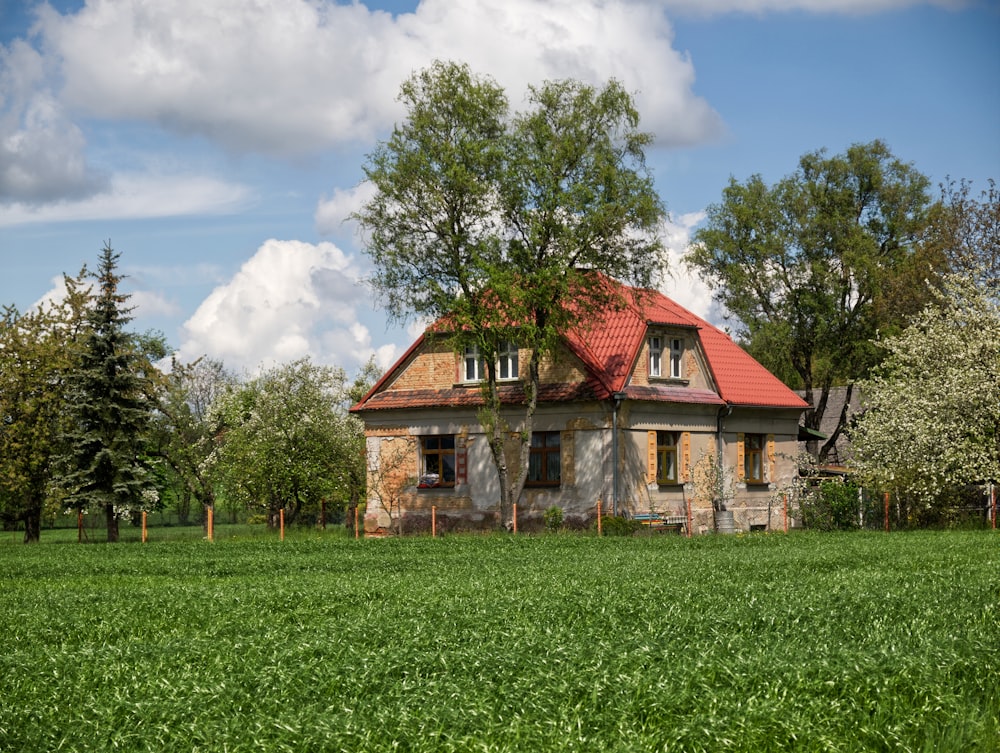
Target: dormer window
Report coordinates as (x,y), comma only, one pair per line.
(676,351)
(475,366)
(656,356)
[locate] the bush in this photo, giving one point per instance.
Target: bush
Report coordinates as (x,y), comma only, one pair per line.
(831,506)
(618,526)
(553,518)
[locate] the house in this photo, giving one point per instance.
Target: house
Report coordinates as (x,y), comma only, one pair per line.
(633,411)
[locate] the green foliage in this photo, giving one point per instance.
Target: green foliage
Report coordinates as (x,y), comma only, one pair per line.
(37,354)
(816,265)
(287,441)
(553,518)
(613,525)
(932,418)
(111,399)
(762,643)
(831,506)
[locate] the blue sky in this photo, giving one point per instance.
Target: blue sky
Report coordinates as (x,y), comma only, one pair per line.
(218,144)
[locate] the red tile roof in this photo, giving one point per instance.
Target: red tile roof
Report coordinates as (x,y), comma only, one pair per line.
(608,349)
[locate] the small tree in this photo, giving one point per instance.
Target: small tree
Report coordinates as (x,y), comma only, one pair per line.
(286,440)
(36,357)
(111,404)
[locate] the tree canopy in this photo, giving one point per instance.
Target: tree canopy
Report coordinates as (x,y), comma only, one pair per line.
(287,441)
(499,222)
(812,268)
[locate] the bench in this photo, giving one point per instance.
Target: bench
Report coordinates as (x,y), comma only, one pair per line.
(658,522)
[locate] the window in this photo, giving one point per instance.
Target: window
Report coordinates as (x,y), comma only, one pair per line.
(543,462)
(655,356)
(437,461)
(753,458)
(507,366)
(666,457)
(475,366)
(676,351)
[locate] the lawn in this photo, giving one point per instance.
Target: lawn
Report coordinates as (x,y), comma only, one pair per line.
(835,642)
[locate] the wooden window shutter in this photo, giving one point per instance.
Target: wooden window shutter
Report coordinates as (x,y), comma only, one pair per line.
(685,459)
(770,458)
(650,457)
(740,458)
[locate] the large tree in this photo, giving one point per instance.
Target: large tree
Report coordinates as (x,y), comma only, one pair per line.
(111,402)
(932,411)
(286,440)
(499,223)
(813,267)
(36,356)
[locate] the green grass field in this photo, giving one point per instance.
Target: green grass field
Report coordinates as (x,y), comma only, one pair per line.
(836,642)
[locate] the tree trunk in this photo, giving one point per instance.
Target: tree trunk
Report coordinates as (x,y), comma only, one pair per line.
(33,525)
(112,518)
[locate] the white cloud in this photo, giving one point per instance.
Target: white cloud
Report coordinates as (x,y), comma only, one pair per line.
(132,196)
(293,77)
(851,7)
(41,150)
(290,300)
(332,213)
(682,285)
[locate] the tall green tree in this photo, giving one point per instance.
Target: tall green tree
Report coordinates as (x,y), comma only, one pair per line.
(36,358)
(286,440)
(932,411)
(501,223)
(813,267)
(111,403)
(965,230)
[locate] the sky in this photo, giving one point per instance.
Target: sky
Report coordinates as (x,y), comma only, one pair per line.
(219,144)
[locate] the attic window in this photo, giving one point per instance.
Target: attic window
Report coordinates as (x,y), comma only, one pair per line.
(655,356)
(676,351)
(474,369)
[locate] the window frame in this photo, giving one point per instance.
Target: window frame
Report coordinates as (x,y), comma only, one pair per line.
(474,365)
(655,343)
(542,454)
(751,452)
(441,452)
(666,450)
(676,358)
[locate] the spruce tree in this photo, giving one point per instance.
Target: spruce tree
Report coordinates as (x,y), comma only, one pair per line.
(106,463)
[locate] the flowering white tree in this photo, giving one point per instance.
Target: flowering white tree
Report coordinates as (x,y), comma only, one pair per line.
(932,414)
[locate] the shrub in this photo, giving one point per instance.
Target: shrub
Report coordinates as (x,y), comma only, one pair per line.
(553,518)
(618,526)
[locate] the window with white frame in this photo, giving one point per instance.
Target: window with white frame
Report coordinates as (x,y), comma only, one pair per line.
(475,367)
(507,366)
(676,353)
(656,356)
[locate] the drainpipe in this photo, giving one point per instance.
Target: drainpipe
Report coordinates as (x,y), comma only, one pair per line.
(724,412)
(617,399)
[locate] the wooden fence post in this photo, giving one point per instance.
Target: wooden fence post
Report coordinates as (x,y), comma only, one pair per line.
(515,517)
(599,505)
(211,524)
(144,534)
(434,521)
